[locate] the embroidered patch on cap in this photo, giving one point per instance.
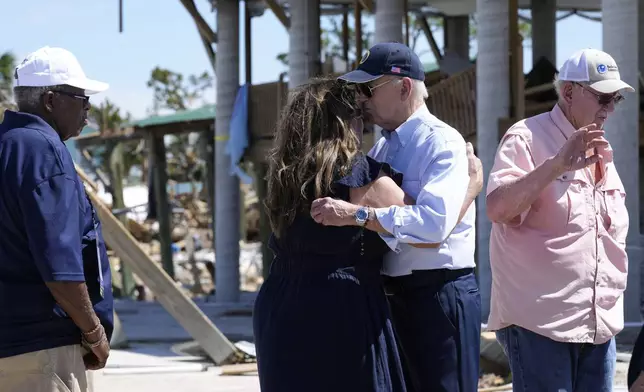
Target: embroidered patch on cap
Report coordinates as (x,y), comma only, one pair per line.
(365,56)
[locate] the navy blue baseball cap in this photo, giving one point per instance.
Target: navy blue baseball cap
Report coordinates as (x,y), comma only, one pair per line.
(390,58)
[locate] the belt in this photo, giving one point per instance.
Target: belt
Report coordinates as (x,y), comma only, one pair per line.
(423,278)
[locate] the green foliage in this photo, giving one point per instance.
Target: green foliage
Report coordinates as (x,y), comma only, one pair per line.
(109,119)
(173,91)
(7,66)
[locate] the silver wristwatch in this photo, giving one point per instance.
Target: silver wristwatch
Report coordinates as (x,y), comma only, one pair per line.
(362,216)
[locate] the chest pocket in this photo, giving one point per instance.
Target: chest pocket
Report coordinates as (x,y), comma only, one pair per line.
(577,203)
(563,206)
(615,198)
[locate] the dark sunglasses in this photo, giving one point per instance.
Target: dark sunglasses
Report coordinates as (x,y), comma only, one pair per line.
(604,99)
(84,98)
(367,90)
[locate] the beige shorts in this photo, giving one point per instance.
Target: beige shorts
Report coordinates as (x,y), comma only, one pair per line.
(58,369)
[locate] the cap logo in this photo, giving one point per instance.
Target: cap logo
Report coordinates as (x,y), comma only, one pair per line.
(365,56)
(601,68)
(395,70)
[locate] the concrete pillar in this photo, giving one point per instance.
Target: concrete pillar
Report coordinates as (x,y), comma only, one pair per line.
(620,40)
(227,204)
(640,12)
(457,35)
(304,41)
(389,21)
(492,103)
(544,19)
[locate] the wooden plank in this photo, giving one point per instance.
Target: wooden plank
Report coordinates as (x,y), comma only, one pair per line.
(424,24)
(367,5)
(182,309)
(238,369)
(279,13)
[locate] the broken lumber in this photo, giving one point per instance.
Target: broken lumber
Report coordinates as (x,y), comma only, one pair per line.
(187,314)
(238,369)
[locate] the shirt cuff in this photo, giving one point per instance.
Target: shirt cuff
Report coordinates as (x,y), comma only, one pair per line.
(383,215)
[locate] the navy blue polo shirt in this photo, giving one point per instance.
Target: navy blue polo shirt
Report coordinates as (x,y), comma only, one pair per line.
(49,232)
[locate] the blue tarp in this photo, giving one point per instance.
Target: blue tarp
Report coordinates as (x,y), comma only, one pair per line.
(238,141)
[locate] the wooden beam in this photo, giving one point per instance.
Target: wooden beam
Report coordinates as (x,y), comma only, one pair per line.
(203,27)
(345,36)
(420,18)
(184,311)
(238,369)
(358,31)
(157,158)
(367,5)
(406,17)
(120,16)
(279,13)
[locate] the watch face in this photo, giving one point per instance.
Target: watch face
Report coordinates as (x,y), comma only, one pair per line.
(362,214)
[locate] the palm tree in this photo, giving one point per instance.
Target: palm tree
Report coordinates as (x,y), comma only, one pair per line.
(7,66)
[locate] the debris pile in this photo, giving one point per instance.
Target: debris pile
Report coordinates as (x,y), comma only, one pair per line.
(192,246)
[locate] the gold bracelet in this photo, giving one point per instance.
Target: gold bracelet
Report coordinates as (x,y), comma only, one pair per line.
(97,343)
(96,328)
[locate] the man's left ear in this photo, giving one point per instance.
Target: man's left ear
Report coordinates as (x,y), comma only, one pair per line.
(405,91)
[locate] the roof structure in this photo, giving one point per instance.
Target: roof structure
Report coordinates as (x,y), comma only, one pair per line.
(206,112)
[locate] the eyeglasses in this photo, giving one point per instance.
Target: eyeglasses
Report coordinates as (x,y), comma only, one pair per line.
(604,99)
(84,98)
(367,91)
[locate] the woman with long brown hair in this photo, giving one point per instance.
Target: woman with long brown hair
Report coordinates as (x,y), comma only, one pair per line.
(321,319)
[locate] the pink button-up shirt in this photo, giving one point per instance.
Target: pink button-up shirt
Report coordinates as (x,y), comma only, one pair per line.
(559,269)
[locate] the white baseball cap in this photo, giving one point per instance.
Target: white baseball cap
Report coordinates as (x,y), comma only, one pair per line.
(596,69)
(55,66)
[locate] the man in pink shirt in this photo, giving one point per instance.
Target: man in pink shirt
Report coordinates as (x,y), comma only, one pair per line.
(559,225)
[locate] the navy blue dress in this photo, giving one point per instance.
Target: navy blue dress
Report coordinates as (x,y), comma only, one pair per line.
(321,319)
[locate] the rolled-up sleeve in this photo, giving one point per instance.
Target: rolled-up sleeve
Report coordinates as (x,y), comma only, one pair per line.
(513,160)
(445,180)
(53,222)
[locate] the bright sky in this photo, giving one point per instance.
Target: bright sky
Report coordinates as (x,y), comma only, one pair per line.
(164,35)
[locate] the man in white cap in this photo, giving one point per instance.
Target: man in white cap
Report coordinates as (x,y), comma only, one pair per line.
(56,302)
(557,246)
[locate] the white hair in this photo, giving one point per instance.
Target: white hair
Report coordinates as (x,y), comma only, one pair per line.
(28,99)
(558,85)
(419,90)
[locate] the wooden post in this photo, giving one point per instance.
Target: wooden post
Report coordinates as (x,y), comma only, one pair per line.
(118,202)
(406,11)
(157,156)
(358,31)
(345,36)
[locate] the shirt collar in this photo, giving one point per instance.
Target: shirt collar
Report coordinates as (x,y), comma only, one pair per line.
(560,120)
(26,120)
(406,130)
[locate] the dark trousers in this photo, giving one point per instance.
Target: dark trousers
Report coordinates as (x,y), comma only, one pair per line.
(437,317)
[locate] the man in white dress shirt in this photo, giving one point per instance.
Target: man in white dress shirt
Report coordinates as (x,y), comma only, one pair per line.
(433,292)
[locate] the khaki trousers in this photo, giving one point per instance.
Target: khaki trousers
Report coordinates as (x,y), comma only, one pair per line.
(59,369)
